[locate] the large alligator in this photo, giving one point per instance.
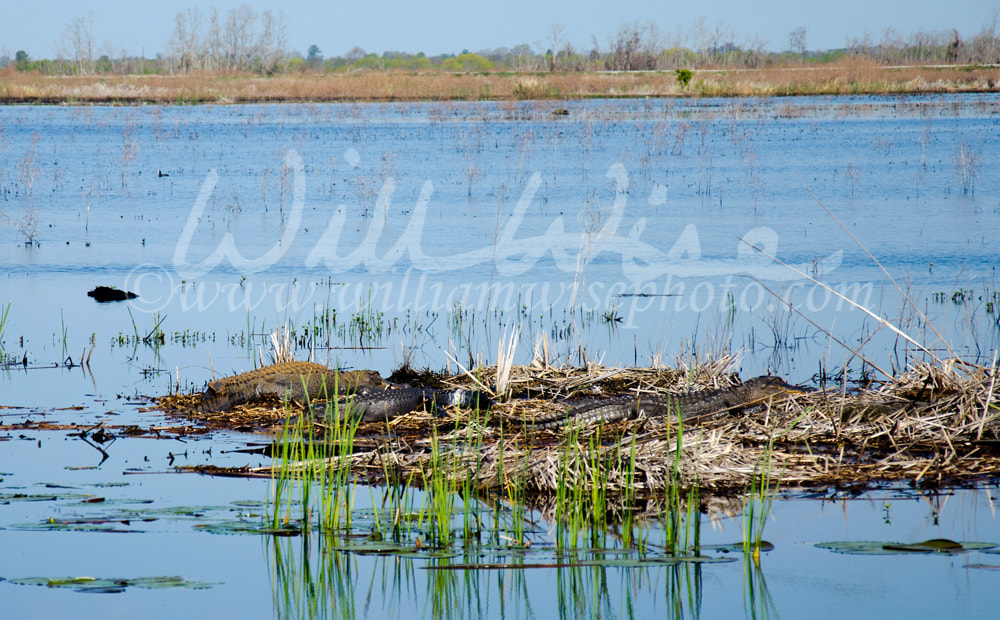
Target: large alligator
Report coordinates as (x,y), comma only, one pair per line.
(381,405)
(293,381)
(366,397)
(746,397)
(362,393)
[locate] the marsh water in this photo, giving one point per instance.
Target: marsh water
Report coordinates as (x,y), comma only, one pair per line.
(626,232)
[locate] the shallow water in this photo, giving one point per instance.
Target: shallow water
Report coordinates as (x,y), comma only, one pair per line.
(257,576)
(369,229)
(443,224)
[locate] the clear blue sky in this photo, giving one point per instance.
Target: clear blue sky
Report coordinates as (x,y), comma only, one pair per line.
(440,26)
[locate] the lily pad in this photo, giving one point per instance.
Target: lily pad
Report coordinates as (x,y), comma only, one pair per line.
(737,547)
(77,525)
(373,547)
(427,555)
(111,586)
(247,527)
(934,545)
(250,503)
(698,559)
(112,501)
(6,498)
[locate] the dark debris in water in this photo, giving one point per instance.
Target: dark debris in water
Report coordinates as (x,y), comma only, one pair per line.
(983,566)
(109,430)
(104,294)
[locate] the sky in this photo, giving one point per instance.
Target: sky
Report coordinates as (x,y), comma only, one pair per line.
(450,26)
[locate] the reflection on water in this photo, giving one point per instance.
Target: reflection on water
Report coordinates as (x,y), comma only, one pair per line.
(311,579)
(314,577)
(757,600)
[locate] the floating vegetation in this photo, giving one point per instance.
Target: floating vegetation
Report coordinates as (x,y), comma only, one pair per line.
(7,498)
(98,585)
(246,527)
(935,545)
(95,524)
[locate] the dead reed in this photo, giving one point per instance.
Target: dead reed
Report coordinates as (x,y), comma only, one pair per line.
(938,423)
(846,77)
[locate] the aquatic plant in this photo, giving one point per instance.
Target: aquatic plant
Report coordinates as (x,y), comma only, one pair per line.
(309,463)
(967,163)
(680,519)
(4,314)
(760,496)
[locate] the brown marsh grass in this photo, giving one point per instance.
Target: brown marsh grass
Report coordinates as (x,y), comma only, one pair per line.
(846,77)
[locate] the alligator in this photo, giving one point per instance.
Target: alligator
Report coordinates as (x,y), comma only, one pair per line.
(295,381)
(374,405)
(748,397)
(368,398)
(363,393)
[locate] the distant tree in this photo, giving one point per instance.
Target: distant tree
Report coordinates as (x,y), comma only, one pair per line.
(22,60)
(467,62)
(370,61)
(237,38)
(243,41)
(984,46)
(522,58)
(891,50)
(314,55)
(861,46)
(213,41)
(77,44)
(955,48)
(555,41)
(356,54)
(635,46)
(797,42)
(185,41)
(270,44)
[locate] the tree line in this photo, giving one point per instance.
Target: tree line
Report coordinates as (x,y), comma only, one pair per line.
(242,40)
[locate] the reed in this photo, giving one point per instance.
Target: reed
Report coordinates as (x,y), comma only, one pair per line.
(967,162)
(844,77)
(760,496)
(314,472)
(4,314)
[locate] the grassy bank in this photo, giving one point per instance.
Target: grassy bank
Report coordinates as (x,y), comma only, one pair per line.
(849,77)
